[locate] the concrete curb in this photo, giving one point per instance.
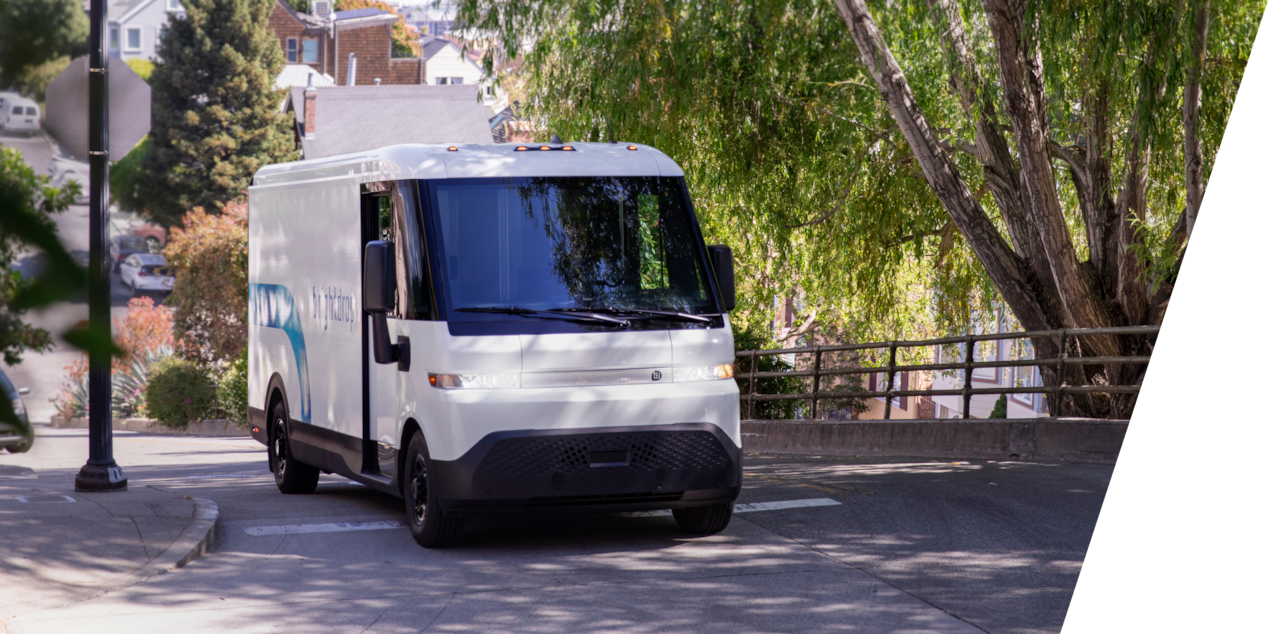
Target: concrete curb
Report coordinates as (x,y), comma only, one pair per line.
(199,538)
(215,427)
(1084,440)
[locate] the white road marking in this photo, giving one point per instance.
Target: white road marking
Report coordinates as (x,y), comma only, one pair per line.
(754,506)
(227,475)
(64,499)
(334,527)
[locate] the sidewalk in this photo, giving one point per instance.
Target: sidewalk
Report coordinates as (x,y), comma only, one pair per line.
(60,547)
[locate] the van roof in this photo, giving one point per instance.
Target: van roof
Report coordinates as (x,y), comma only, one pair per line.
(416,161)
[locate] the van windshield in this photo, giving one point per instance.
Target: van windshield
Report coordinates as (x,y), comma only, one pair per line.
(550,243)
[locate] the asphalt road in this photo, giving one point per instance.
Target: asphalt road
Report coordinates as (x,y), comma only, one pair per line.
(43,372)
(909,546)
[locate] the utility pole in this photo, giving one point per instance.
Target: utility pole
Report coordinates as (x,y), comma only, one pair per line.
(100,473)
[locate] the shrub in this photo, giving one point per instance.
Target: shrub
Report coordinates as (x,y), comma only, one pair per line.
(209,258)
(72,402)
(1001,407)
(231,390)
(179,392)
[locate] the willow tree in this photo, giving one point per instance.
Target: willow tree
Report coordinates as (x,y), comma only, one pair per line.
(906,164)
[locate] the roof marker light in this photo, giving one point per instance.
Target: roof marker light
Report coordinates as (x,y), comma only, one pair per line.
(544,148)
(567,148)
(632,148)
(453,148)
(522,148)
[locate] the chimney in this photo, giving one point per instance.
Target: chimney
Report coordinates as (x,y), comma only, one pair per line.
(377,81)
(352,70)
(310,108)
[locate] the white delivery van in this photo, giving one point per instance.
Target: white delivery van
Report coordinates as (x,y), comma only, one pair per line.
(494,329)
(19,115)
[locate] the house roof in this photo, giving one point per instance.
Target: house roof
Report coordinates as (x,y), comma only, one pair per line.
(361,118)
(116,10)
(359,13)
(433,45)
(297,75)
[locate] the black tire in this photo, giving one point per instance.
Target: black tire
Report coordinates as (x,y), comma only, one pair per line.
(427,522)
(291,475)
(23,446)
(704,520)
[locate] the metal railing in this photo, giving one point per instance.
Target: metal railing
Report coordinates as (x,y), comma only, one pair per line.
(1061,361)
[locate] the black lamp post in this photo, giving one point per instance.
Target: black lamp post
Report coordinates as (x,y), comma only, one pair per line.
(100,473)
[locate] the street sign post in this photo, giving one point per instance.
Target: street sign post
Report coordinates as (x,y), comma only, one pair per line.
(100,473)
(67,111)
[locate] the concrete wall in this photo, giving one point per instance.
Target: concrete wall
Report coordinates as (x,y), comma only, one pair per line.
(1065,438)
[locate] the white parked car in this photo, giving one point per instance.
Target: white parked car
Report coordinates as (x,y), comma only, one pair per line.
(66,170)
(19,116)
(146,272)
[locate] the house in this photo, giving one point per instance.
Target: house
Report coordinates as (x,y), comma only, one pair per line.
(328,42)
(135,26)
(342,119)
(428,20)
(1018,405)
(446,64)
(508,127)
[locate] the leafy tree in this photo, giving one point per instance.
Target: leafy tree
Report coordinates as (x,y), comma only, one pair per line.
(404,37)
(126,175)
(27,203)
(209,259)
(1049,153)
(142,67)
(34,32)
(215,119)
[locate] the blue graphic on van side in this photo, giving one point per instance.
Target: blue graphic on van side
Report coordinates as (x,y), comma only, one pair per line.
(272,306)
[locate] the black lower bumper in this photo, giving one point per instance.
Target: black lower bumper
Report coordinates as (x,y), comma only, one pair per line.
(599,469)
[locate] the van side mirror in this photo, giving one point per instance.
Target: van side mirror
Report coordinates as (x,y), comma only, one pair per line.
(378,295)
(378,284)
(724,271)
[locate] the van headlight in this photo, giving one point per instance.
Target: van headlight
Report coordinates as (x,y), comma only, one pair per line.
(473,381)
(18,407)
(704,372)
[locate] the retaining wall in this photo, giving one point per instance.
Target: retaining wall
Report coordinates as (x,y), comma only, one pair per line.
(1061,438)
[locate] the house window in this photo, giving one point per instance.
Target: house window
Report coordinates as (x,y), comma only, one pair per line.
(133,42)
(114,38)
(488,90)
(292,50)
(310,51)
(174,5)
(457,81)
(442,81)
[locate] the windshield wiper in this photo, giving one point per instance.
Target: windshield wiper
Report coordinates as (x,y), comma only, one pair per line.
(561,313)
(640,311)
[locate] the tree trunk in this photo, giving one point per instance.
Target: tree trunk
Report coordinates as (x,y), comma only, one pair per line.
(1194,185)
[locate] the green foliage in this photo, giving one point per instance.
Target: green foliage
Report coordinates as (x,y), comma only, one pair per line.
(28,202)
(215,119)
(752,339)
(231,390)
(179,392)
(795,161)
(35,32)
(131,379)
(1001,407)
(209,259)
(126,175)
(34,80)
(142,67)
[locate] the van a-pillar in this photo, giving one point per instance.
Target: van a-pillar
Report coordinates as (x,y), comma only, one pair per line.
(100,473)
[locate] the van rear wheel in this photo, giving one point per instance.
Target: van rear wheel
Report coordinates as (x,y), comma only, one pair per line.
(427,522)
(704,520)
(291,475)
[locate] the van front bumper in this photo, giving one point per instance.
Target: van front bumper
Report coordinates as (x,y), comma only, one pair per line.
(600,469)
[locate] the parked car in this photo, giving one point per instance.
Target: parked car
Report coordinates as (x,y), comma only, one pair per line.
(67,169)
(123,246)
(154,235)
(12,438)
(146,272)
(20,115)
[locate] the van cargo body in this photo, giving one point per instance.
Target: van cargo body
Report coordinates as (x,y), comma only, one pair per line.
(494,329)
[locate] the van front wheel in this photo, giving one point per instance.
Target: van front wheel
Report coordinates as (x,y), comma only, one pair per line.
(427,522)
(704,520)
(291,475)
